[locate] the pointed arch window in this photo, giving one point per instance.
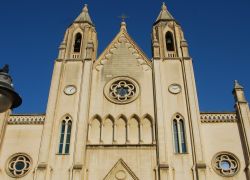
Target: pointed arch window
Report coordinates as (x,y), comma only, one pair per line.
(179,134)
(78,42)
(169,41)
(182,136)
(176,137)
(65,135)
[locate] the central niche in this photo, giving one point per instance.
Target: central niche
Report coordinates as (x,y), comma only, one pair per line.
(121,90)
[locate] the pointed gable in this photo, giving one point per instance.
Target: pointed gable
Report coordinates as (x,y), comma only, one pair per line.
(121,171)
(122,54)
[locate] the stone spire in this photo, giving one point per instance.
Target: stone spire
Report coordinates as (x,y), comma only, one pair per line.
(164,14)
(84,16)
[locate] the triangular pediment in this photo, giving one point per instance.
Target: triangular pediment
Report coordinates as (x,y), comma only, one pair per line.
(121,171)
(123,50)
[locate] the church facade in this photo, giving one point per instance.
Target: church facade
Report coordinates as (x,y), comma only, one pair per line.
(123,116)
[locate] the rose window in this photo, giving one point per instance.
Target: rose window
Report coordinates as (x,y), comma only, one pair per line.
(19,165)
(121,90)
(226,164)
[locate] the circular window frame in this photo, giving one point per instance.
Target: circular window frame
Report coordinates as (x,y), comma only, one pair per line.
(232,156)
(121,78)
(9,160)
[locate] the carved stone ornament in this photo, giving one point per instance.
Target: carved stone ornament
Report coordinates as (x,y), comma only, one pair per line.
(121,90)
(228,117)
(225,164)
(18,165)
(26,119)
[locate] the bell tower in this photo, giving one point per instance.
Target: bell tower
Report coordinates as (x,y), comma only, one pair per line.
(167,37)
(176,102)
(68,102)
(80,39)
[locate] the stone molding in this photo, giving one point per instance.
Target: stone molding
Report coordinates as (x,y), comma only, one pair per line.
(223,117)
(205,118)
(26,119)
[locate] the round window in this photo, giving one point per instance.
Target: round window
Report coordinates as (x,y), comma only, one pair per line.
(121,90)
(225,164)
(18,165)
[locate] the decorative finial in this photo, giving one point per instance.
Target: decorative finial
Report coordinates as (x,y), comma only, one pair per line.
(123,23)
(85,8)
(164,7)
(5,69)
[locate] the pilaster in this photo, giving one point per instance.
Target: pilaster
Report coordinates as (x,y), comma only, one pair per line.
(242,110)
(159,115)
(49,123)
(82,121)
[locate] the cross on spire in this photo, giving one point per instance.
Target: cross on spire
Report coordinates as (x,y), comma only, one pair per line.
(123,17)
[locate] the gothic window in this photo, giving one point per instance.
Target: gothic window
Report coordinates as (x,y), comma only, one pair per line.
(65,135)
(179,134)
(169,41)
(62,137)
(68,137)
(176,137)
(182,136)
(78,42)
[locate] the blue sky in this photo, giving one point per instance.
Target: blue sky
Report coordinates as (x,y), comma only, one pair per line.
(218,34)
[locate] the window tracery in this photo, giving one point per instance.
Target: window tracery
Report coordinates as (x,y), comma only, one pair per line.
(225,164)
(121,90)
(19,165)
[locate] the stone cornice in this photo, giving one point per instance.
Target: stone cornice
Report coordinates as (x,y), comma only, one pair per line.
(218,117)
(26,119)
